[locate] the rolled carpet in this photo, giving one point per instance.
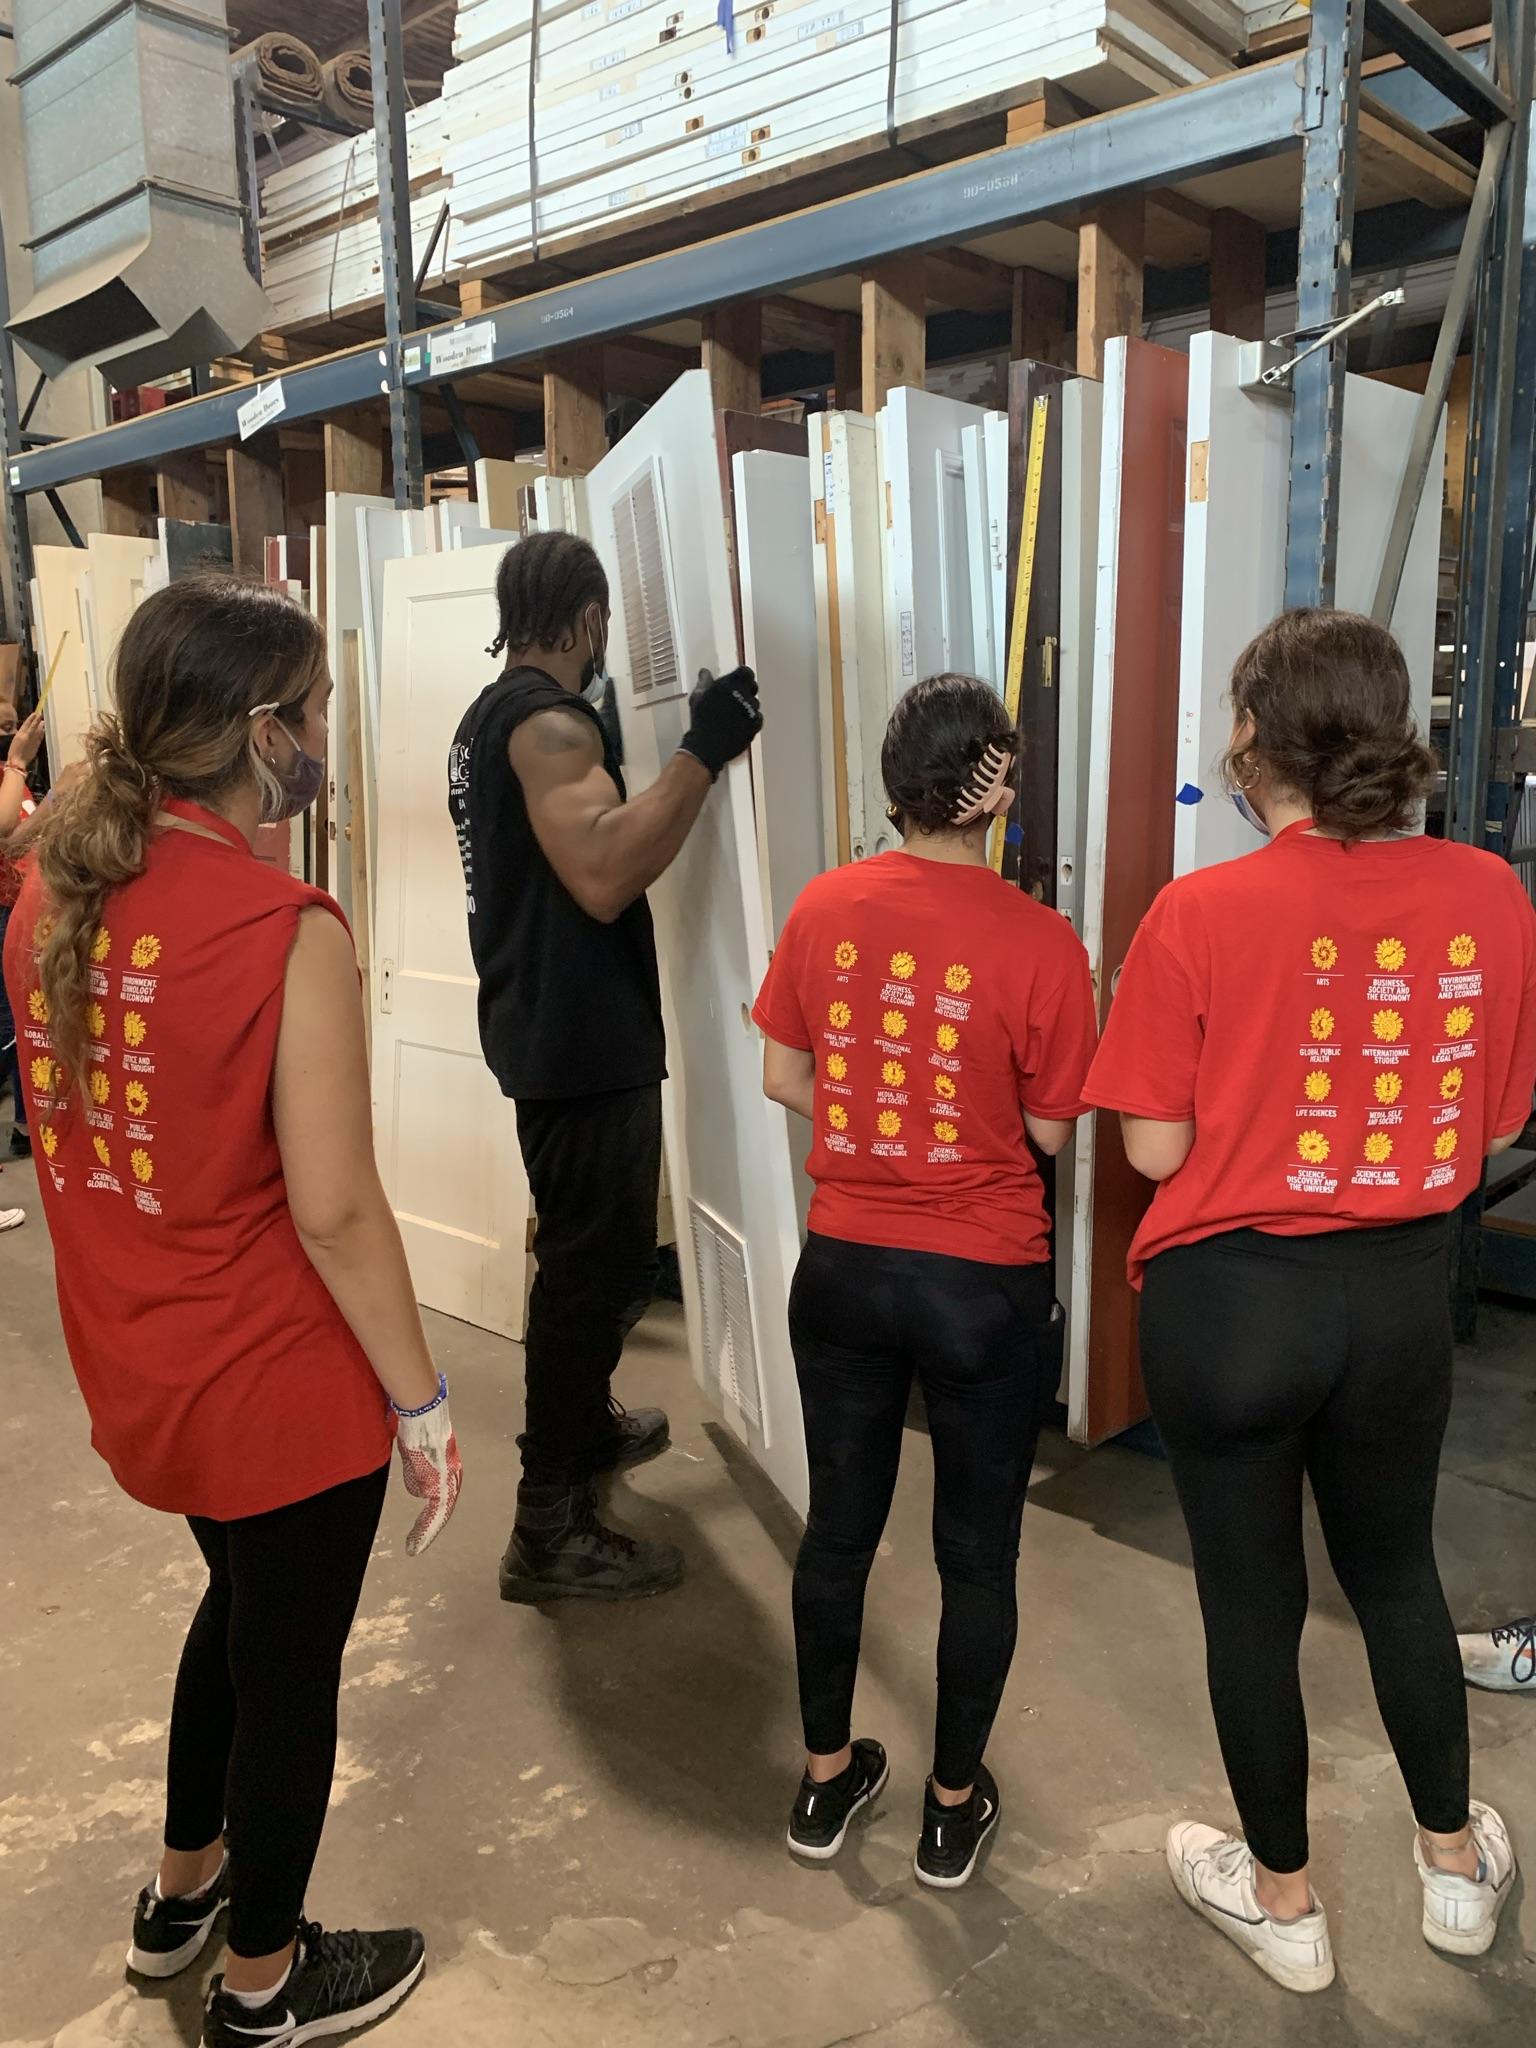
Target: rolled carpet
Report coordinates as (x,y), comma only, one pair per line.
(288,69)
(347,91)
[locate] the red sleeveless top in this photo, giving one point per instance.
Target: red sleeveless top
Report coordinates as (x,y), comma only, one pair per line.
(220,1377)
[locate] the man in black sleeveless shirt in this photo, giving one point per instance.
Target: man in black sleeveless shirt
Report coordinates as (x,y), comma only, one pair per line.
(556,865)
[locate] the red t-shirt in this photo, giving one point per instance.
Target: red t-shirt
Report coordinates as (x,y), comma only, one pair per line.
(940,1004)
(219,1375)
(1349,1027)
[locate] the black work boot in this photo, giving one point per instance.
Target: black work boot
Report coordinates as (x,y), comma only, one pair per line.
(560,1550)
(639,1434)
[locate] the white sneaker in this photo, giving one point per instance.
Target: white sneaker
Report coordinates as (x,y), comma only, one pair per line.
(1502,1659)
(12,1219)
(1461,1915)
(1214,1874)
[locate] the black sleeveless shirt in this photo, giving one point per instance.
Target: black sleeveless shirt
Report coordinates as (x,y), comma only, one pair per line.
(568,1006)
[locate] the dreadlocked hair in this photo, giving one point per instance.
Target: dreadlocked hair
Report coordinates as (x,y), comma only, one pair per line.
(543,586)
(937,736)
(195,659)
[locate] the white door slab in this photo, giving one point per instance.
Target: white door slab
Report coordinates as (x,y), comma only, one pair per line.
(58,573)
(847,511)
(446,1138)
(344,609)
(384,534)
(658,521)
(118,563)
(927,540)
(500,489)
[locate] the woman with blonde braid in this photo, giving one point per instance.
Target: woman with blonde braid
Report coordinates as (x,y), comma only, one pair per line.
(232,1286)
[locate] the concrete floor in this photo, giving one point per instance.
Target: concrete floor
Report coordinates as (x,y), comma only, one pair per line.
(585,1810)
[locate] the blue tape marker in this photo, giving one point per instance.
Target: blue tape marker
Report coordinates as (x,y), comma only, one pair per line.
(1189,794)
(1014,836)
(725,16)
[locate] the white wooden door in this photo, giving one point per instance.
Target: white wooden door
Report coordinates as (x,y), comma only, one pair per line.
(500,489)
(658,521)
(847,514)
(1234,559)
(778,622)
(384,534)
(927,536)
(446,1137)
(118,564)
(346,604)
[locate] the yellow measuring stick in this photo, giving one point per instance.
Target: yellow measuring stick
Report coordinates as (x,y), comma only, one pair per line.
(52,670)
(1013,689)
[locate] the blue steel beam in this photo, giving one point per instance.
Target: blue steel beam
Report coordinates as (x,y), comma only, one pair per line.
(1247,115)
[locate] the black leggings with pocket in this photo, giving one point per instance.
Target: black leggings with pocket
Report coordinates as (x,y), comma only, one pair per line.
(1273,1359)
(863,1320)
(253,1726)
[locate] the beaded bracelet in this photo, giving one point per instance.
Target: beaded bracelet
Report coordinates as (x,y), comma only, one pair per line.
(410,1414)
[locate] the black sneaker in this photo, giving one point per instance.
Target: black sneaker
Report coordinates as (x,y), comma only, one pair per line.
(953,1835)
(168,1934)
(21,1144)
(561,1551)
(639,1434)
(822,1812)
(338,1982)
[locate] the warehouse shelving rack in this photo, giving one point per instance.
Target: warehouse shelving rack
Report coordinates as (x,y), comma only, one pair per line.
(1308,105)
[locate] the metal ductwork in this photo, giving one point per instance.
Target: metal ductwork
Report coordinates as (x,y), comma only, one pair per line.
(127,124)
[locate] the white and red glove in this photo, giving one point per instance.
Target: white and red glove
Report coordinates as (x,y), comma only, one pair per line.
(430,1466)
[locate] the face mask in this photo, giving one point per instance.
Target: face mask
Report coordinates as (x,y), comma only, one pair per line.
(597,690)
(1248,814)
(298,784)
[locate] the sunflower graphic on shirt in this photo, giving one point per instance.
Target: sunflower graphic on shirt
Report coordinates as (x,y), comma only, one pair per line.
(837,1067)
(101,946)
(1391,955)
(957,979)
(1319,1085)
(944,1084)
(894,1024)
(945,1133)
(1325,955)
(839,1016)
(846,954)
(1452,1081)
(1462,950)
(143,1166)
(100,1085)
(1320,1024)
(48,1137)
(135,1030)
(95,1020)
(946,1038)
(42,1075)
(894,1074)
(1378,1148)
(136,1098)
(145,951)
(1313,1147)
(37,1006)
(837,1116)
(1459,1021)
(903,966)
(888,1124)
(1445,1146)
(102,1150)
(1388,1087)
(1387,1025)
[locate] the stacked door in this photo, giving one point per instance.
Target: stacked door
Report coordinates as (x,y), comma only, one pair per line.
(446,1139)
(657,519)
(344,608)
(1129,833)
(1234,557)
(118,563)
(847,519)
(929,619)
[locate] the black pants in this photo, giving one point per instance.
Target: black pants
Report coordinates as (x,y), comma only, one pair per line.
(1269,1358)
(253,1727)
(862,1321)
(594,1168)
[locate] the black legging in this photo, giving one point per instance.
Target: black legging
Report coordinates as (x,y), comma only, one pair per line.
(1267,1358)
(253,1727)
(862,1320)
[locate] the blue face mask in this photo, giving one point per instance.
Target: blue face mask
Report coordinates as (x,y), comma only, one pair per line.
(1248,814)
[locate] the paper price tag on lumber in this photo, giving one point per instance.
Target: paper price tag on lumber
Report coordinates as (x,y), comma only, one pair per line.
(462,348)
(259,411)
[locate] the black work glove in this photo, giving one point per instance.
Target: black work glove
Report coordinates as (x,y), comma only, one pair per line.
(727,718)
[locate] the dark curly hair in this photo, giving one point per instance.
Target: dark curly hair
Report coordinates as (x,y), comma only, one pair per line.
(937,734)
(1331,707)
(543,586)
